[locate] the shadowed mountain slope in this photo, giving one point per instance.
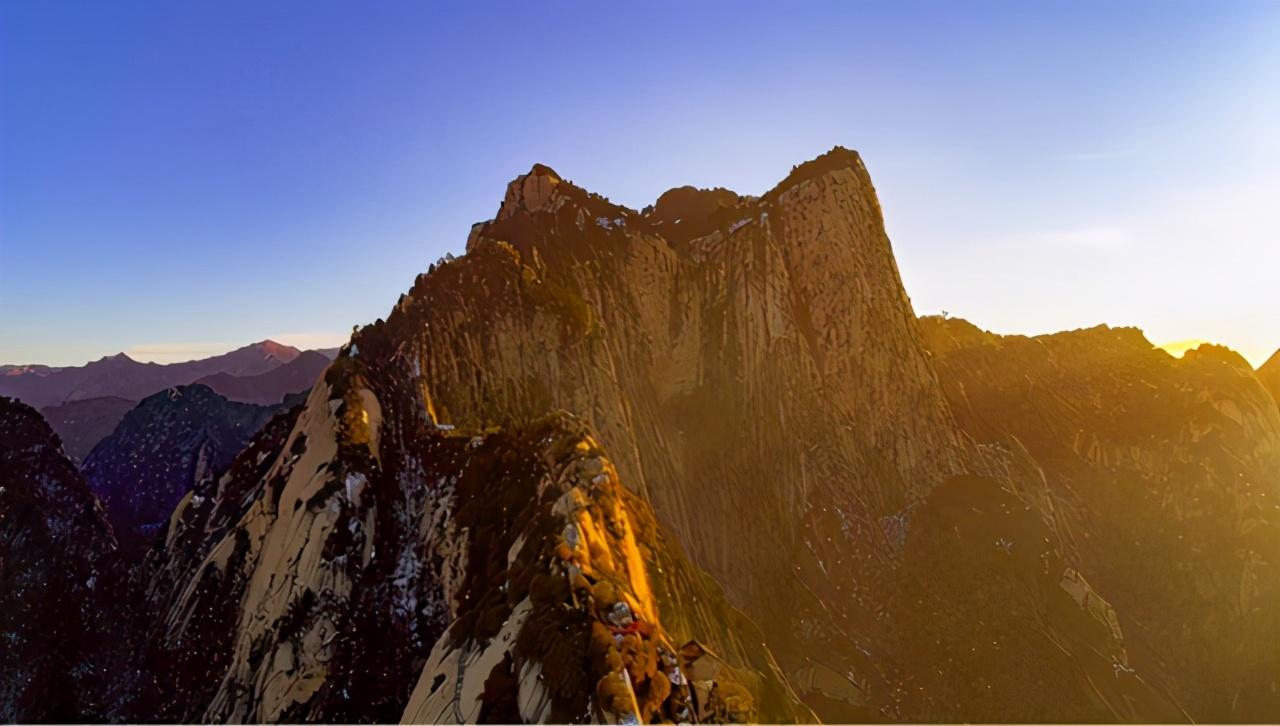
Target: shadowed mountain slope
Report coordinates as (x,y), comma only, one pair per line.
(59,581)
(82,424)
(161,449)
(1166,476)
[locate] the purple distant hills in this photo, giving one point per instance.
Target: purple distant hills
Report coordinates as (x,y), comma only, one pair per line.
(83,404)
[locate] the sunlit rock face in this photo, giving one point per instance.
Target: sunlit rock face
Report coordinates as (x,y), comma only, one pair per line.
(60,593)
(1165,475)
(358,562)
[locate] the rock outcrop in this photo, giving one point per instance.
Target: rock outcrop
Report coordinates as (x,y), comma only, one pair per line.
(756,371)
(740,377)
(362,558)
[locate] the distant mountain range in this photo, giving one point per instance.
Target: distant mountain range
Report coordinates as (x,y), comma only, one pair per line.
(119,375)
(84,403)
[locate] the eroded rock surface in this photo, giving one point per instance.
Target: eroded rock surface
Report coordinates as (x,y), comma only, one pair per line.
(357,550)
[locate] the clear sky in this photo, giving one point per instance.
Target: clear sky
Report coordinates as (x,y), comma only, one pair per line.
(180,178)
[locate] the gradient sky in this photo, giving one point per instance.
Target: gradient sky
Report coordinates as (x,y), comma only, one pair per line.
(180,178)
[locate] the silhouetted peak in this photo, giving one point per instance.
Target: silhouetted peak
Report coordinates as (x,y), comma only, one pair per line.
(117,359)
(1105,336)
(1272,364)
(1221,353)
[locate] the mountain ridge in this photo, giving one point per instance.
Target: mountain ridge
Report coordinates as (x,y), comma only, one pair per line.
(121,376)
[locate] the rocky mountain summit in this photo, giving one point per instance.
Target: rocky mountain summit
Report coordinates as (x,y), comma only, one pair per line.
(749,362)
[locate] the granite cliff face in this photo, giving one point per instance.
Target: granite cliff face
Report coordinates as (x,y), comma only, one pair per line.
(358,560)
(1165,475)
(737,364)
(60,581)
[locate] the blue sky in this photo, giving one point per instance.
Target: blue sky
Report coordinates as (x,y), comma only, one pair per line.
(179,179)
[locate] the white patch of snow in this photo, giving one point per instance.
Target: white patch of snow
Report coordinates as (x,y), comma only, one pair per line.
(356,482)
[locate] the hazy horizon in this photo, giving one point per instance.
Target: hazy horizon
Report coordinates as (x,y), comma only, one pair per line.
(181,181)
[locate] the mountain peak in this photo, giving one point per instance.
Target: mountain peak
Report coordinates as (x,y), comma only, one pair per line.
(117,358)
(1220,353)
(271,349)
(532,192)
(274,347)
(837,159)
